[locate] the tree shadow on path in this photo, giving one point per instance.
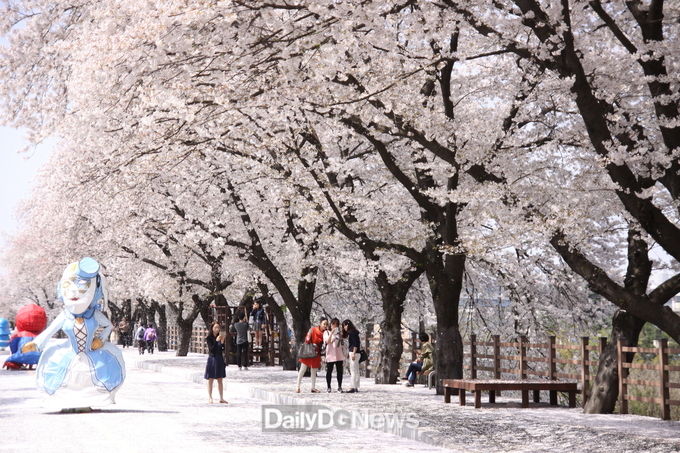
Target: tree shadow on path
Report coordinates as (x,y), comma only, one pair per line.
(112,411)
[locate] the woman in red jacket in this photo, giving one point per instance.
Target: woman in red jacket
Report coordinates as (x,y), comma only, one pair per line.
(314,336)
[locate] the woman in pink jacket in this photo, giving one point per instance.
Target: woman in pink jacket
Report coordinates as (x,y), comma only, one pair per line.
(335,353)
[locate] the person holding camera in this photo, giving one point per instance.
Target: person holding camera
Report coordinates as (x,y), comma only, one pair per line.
(215,367)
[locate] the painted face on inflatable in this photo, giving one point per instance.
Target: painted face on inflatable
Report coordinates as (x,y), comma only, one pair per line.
(79,284)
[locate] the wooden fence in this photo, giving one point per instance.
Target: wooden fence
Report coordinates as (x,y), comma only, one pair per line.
(552,360)
(661,383)
(269,354)
(196,344)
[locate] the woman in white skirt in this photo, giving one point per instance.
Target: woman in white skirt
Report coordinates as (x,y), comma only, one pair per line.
(354,345)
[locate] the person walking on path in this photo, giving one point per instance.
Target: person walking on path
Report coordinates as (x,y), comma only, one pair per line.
(354,345)
(424,362)
(215,368)
(335,353)
(139,335)
(240,329)
(315,337)
(124,332)
(150,338)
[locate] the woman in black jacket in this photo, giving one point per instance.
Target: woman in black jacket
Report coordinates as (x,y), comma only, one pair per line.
(215,368)
(354,345)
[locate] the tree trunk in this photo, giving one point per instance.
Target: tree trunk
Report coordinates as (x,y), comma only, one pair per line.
(301,325)
(446,283)
(301,308)
(141,312)
(127,310)
(204,310)
(185,329)
(605,389)
(448,352)
(116,313)
(185,325)
(286,356)
(391,342)
(162,326)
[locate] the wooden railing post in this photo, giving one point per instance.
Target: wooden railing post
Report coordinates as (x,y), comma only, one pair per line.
(523,357)
(585,369)
(603,344)
(664,390)
(552,365)
(497,359)
(473,356)
(623,374)
(497,356)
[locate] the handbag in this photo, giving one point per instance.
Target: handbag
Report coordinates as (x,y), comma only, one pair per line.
(362,356)
(307,351)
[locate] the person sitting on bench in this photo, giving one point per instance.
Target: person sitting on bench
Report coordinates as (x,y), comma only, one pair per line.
(423,363)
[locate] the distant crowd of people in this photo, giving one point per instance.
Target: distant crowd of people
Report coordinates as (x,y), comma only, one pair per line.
(144,335)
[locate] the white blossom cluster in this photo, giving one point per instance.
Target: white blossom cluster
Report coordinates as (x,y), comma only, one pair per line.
(338,143)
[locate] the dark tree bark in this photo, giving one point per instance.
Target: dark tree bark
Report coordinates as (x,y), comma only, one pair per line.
(126,307)
(445,276)
(391,342)
(605,389)
(302,310)
(186,328)
(185,325)
(117,313)
(161,325)
(625,327)
(140,314)
(204,309)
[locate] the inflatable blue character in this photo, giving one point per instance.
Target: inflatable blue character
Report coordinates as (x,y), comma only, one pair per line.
(4,333)
(85,369)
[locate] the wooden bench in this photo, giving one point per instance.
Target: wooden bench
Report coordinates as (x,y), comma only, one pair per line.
(494,385)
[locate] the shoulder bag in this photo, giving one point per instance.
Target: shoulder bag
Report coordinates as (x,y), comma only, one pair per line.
(307,350)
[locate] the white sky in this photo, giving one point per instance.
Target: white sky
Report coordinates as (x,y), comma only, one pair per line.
(17,173)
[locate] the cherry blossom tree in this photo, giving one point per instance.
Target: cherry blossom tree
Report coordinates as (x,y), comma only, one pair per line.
(430,137)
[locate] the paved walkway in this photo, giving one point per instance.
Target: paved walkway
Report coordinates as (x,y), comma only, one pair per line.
(503,427)
(162,406)
(165,412)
